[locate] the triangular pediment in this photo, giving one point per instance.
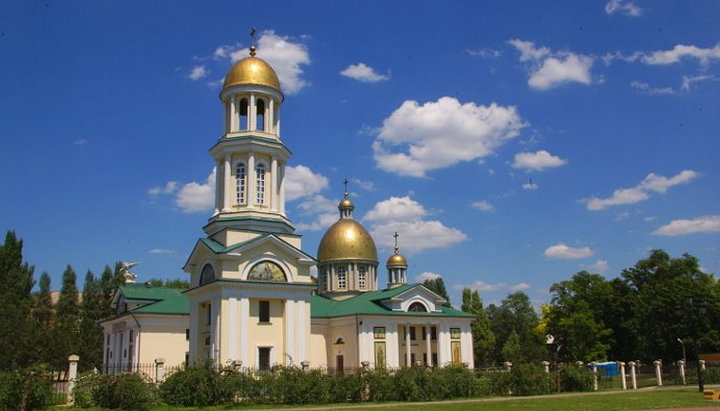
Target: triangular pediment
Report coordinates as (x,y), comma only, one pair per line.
(417,293)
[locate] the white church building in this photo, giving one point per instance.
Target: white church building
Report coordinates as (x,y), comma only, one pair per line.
(252,300)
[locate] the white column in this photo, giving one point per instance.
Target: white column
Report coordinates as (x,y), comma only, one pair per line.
(623,378)
(658,372)
(443,343)
(234,126)
(233,337)
(252,113)
(194,333)
(218,187)
(252,180)
(303,323)
(428,345)
(244,336)
(392,346)
(274,184)
(277,122)
(407,345)
(72,374)
(681,365)
(281,206)
(226,183)
(633,375)
(595,375)
(271,116)
(290,333)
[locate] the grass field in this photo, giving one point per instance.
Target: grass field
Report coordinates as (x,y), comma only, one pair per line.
(665,398)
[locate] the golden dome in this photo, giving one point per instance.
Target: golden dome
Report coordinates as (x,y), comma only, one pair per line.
(396,260)
(347,240)
(346,203)
(252,70)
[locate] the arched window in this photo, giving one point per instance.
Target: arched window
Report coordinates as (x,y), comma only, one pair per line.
(260,114)
(243,120)
(362,276)
(240,183)
(207,274)
(417,307)
(267,271)
(260,184)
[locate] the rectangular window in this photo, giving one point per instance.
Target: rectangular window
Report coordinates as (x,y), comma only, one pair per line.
(264,358)
(260,173)
(187,334)
(455,333)
(424,330)
(240,183)
(264,311)
(342,277)
(380,354)
(362,276)
(412,333)
(326,280)
(379,333)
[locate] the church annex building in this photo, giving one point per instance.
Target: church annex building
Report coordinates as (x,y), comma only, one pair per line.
(252,301)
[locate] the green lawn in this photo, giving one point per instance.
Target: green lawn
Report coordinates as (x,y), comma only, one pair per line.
(585,401)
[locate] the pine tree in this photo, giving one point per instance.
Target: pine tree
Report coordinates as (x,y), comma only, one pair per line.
(42,315)
(92,311)
(17,281)
(65,330)
(483,338)
(437,285)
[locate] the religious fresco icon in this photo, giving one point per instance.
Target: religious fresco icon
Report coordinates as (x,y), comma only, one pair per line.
(267,271)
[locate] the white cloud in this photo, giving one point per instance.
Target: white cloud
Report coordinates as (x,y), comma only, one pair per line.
(479,285)
(556,71)
(562,251)
(161,251)
(169,188)
(482,206)
(520,287)
(680,51)
(530,186)
(653,91)
(363,72)
(396,209)
(197,197)
(197,72)
(363,184)
(688,81)
(80,142)
(426,276)
(599,266)
(442,133)
(484,52)
(284,55)
(652,182)
(324,213)
(301,181)
(321,222)
(538,160)
(405,216)
(550,69)
(706,224)
(627,8)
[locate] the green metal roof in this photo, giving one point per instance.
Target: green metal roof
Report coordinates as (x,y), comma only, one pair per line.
(370,304)
(161,300)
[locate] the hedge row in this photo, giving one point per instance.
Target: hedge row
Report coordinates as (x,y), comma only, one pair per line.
(24,390)
(204,386)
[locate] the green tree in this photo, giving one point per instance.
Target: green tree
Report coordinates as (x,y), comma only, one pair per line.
(483,338)
(17,281)
(42,315)
(92,311)
(512,349)
(437,285)
(575,317)
(65,330)
(516,314)
(174,283)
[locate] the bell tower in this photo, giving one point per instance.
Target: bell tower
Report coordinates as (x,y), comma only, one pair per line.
(250,156)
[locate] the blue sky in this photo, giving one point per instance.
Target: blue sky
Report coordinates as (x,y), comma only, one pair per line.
(510,143)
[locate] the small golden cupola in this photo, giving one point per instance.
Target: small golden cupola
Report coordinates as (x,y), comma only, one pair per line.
(347,257)
(397,267)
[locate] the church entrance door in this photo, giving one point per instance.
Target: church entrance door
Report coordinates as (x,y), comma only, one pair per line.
(339,364)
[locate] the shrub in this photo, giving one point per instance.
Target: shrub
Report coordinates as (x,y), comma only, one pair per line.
(86,388)
(27,389)
(125,391)
(196,386)
(711,375)
(573,378)
(530,379)
(453,382)
(381,386)
(412,384)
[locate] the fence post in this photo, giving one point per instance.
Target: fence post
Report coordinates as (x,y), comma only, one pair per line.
(508,365)
(546,366)
(159,370)
(72,376)
(595,375)
(702,365)
(658,372)
(623,378)
(633,376)
(681,365)
(305,365)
